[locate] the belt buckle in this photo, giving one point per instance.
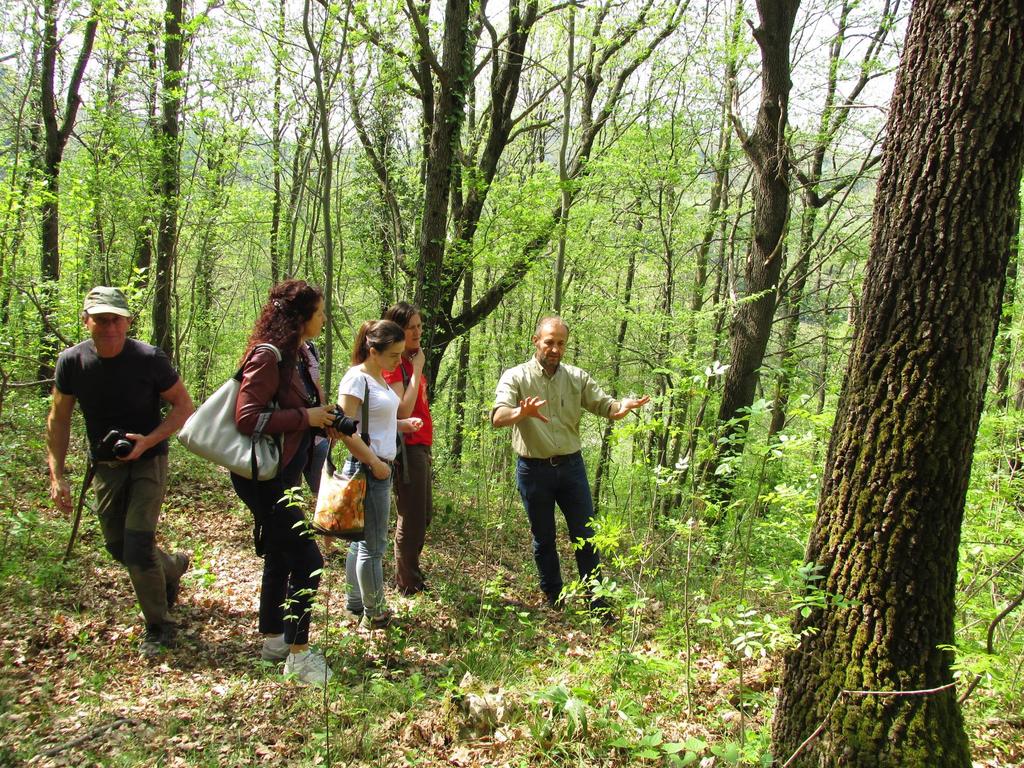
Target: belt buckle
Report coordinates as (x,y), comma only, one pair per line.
(555,461)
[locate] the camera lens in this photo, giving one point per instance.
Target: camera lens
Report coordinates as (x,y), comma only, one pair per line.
(122,448)
(344,424)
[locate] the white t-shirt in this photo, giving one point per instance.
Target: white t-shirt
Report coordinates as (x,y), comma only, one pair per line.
(383,410)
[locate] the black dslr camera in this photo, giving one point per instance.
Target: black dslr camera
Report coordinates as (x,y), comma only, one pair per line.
(343,423)
(114,445)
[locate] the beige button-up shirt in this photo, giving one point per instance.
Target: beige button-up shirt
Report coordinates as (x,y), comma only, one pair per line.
(568,392)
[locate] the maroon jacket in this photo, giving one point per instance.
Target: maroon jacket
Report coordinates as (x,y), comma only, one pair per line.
(263,380)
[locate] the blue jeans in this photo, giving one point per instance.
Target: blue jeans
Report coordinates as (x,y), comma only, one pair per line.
(541,486)
(364,572)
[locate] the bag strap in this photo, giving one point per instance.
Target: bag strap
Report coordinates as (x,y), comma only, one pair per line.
(257,434)
(365,433)
(404,460)
(262,345)
(264,417)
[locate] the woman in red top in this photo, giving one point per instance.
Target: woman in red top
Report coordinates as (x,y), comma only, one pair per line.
(293,313)
(413,483)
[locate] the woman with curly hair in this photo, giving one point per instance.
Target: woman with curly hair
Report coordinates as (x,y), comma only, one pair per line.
(275,372)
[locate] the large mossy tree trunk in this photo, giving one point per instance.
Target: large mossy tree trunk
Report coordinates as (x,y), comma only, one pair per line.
(872,685)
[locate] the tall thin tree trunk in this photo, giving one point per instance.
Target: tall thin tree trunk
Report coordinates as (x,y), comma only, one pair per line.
(462,377)
(719,187)
(766,147)
(563,168)
(326,181)
(167,230)
(620,338)
(792,300)
(56,135)
(26,135)
(832,120)
(275,151)
(144,245)
(445,128)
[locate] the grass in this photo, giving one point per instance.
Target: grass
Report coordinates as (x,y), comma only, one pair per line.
(476,672)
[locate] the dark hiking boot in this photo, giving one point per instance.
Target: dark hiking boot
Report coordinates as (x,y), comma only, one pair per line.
(158,638)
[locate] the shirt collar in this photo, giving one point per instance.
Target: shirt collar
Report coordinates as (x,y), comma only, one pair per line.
(535,365)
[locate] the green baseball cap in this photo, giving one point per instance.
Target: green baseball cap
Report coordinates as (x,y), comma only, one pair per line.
(106,300)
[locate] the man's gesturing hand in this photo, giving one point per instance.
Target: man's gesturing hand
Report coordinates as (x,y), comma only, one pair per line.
(628,404)
(529,407)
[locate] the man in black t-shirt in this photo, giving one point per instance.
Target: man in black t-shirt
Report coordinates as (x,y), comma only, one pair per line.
(120,383)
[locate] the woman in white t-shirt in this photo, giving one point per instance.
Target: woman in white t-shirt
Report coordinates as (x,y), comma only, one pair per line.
(378,348)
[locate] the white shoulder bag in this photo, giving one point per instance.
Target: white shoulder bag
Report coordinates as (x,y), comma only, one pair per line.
(211,432)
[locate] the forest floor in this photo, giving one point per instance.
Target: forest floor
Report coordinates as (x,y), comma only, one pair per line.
(475,672)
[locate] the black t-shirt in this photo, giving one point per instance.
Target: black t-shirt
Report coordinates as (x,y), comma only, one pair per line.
(121,392)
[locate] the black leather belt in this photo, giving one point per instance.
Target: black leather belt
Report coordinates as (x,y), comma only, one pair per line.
(553,461)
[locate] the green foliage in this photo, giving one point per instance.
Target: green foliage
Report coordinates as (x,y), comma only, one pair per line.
(702,588)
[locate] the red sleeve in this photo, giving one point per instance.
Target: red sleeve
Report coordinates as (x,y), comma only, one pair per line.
(261,378)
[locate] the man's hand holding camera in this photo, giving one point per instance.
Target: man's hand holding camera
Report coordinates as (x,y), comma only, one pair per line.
(118,445)
(140,444)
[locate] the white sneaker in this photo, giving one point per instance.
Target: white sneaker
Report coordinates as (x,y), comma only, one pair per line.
(308,667)
(275,648)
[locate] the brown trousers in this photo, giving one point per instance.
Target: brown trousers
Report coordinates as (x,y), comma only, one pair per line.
(128,500)
(415,502)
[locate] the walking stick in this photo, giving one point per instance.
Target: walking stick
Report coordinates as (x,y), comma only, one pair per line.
(90,471)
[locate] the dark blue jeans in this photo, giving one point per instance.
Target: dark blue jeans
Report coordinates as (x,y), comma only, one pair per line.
(541,486)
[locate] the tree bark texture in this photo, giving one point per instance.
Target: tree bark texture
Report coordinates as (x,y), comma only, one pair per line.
(167,230)
(323,111)
(462,378)
(147,227)
(55,137)
(766,147)
(275,151)
(446,125)
(888,524)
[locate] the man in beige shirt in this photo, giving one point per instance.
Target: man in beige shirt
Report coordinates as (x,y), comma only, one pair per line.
(543,401)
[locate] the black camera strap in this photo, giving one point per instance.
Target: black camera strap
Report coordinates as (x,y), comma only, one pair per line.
(365,434)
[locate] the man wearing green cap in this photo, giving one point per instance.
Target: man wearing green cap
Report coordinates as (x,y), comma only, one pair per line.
(120,383)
